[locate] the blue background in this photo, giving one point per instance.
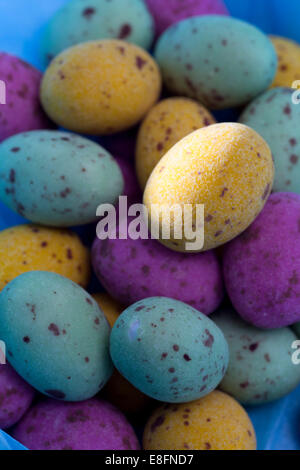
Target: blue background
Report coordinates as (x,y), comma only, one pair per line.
(21,21)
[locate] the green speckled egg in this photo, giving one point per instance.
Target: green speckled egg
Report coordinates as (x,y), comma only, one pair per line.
(260,366)
(57,335)
(220,61)
(57,178)
(277,119)
(169,350)
(87,20)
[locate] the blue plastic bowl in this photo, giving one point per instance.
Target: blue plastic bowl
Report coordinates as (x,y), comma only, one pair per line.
(277,425)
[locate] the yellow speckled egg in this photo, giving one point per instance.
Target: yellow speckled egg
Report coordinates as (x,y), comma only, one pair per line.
(225,168)
(100,87)
(110,307)
(33,248)
(215,422)
(165,124)
(288,53)
(118,390)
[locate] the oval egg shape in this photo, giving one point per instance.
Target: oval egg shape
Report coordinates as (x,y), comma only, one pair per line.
(16,396)
(86,20)
(227,168)
(100,87)
(220,61)
(215,422)
(57,178)
(34,248)
(131,270)
(261,267)
(288,54)
(170,351)
(22,110)
(260,367)
(57,335)
(165,125)
(276,118)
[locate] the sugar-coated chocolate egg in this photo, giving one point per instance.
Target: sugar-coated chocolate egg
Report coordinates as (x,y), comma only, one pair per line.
(87,20)
(34,248)
(100,87)
(57,335)
(21,110)
(165,125)
(91,425)
(215,422)
(262,266)
(220,61)
(227,168)
(260,367)
(57,178)
(168,350)
(288,53)
(276,118)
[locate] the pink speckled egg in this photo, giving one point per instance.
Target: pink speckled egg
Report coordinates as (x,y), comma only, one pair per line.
(169,12)
(90,425)
(262,266)
(22,111)
(15,396)
(132,270)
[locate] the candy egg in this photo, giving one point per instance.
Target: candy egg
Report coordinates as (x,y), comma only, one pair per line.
(57,178)
(15,396)
(260,367)
(215,422)
(288,53)
(167,13)
(100,87)
(85,20)
(165,125)
(131,270)
(277,119)
(170,351)
(90,425)
(220,61)
(227,168)
(33,248)
(57,334)
(262,266)
(22,110)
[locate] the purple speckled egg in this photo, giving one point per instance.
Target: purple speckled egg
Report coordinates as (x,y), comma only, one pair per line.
(15,396)
(262,266)
(22,111)
(169,12)
(90,425)
(132,270)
